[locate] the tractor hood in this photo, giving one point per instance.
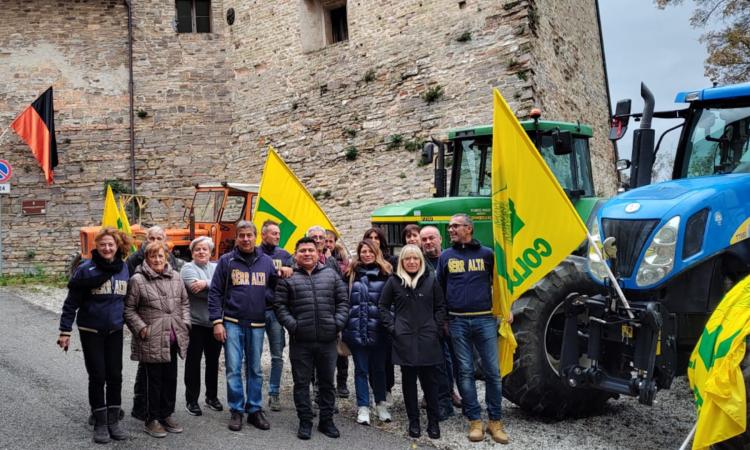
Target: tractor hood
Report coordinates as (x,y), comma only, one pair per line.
(713,212)
(665,200)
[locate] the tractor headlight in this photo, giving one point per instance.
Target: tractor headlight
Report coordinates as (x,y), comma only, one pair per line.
(596,265)
(658,260)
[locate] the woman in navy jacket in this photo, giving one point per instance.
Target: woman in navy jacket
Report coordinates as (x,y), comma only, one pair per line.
(96,295)
(364,332)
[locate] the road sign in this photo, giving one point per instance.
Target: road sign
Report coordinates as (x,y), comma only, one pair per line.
(5,171)
(5,188)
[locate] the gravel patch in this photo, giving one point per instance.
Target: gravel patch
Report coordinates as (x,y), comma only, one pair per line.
(625,424)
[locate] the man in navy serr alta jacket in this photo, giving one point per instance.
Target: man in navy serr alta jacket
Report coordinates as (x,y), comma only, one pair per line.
(242,286)
(465,274)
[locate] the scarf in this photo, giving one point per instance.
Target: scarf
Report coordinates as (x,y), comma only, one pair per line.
(108,268)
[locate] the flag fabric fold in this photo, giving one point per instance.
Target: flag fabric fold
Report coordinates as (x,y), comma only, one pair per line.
(714,370)
(284,199)
(534,225)
(36,127)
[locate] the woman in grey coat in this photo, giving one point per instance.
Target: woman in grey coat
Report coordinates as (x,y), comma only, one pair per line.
(197,276)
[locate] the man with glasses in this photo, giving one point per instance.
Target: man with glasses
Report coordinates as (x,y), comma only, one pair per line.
(465,274)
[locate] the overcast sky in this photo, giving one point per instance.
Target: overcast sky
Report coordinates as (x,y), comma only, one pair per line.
(658,47)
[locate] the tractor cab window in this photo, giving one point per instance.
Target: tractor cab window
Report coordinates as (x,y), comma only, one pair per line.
(718,143)
(233,208)
(573,171)
(206,205)
(472,167)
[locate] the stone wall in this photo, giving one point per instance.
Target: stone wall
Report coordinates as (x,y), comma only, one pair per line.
(213,102)
(314,106)
(80,48)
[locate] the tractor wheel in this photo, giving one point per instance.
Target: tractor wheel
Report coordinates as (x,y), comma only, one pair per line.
(741,441)
(538,323)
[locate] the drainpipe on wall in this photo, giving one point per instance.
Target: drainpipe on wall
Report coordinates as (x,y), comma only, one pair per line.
(606,77)
(129,5)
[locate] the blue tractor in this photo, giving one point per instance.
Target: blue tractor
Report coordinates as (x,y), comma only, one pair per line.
(675,248)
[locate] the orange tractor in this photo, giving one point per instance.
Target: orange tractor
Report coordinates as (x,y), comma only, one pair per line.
(213,212)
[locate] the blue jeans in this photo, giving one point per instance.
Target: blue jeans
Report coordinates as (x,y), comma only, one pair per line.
(247,342)
(276,341)
(369,361)
(480,333)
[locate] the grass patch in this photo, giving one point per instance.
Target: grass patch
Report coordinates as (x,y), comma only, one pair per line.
(58,280)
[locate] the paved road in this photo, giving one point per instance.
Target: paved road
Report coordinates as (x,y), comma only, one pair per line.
(43,400)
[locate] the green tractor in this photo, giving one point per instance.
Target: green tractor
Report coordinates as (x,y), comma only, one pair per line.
(468,155)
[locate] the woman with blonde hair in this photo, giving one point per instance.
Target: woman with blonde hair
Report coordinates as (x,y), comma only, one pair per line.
(417,300)
(364,332)
(95,301)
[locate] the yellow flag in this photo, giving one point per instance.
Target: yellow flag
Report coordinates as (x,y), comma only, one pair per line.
(124,219)
(714,369)
(110,215)
(534,225)
(284,199)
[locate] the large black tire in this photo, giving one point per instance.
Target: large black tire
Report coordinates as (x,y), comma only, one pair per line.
(534,383)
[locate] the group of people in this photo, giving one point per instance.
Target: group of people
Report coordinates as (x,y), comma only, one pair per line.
(427,310)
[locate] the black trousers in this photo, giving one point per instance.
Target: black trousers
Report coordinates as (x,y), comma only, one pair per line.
(428,378)
(161,387)
(102,354)
(445,385)
(202,342)
(139,391)
(308,358)
(342,370)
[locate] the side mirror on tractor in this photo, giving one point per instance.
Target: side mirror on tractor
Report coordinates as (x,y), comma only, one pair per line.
(619,124)
(428,153)
(563,143)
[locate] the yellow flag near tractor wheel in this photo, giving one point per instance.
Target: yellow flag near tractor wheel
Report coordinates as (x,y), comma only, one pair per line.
(534,225)
(714,370)
(284,199)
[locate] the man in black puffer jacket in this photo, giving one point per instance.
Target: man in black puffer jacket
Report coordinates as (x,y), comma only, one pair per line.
(313,306)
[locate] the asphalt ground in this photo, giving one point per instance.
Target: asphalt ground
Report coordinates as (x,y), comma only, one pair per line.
(43,400)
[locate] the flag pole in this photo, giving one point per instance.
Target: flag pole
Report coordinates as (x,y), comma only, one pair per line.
(689,437)
(611,276)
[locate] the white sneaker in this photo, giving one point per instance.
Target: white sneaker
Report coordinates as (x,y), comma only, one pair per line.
(363,415)
(383,413)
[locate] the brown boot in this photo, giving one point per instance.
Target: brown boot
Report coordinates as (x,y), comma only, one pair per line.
(476,431)
(495,429)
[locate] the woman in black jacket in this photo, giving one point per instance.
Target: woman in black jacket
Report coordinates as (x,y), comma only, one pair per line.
(95,301)
(415,329)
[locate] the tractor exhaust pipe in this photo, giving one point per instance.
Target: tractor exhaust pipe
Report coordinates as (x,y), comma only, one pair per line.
(643,155)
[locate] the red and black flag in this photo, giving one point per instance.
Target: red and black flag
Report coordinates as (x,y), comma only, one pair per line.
(36,126)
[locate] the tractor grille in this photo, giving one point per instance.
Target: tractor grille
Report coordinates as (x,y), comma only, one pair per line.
(630,237)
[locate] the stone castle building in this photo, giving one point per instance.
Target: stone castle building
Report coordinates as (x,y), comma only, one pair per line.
(318,79)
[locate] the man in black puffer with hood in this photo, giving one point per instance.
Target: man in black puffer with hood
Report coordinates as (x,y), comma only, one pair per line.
(313,306)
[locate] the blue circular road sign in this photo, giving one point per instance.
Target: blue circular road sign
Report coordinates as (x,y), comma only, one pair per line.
(5,171)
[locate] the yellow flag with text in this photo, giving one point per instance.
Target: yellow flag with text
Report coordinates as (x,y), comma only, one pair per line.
(534,225)
(110,215)
(284,199)
(714,370)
